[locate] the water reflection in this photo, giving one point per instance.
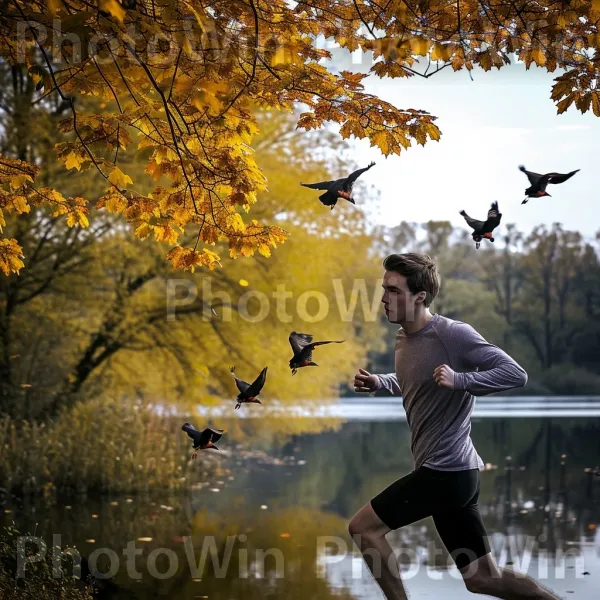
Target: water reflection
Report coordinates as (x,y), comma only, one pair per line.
(260,527)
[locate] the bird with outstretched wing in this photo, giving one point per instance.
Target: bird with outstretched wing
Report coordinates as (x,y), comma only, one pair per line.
(302,347)
(539,182)
(337,188)
(249,392)
(202,440)
(484,229)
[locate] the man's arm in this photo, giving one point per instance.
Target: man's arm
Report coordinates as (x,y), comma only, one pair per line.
(493,369)
(389,382)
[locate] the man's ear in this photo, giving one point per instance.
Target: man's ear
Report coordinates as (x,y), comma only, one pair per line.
(421,297)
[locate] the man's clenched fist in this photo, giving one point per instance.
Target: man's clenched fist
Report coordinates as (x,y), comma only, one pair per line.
(365,382)
(444,376)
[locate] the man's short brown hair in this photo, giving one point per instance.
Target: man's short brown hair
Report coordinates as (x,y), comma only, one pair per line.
(420,272)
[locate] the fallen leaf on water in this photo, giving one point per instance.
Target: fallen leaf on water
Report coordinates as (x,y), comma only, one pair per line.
(144,539)
(215,490)
(284,535)
(114,504)
(94,516)
(91,541)
(26,385)
(264,506)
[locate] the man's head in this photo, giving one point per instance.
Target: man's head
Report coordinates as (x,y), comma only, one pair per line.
(410,284)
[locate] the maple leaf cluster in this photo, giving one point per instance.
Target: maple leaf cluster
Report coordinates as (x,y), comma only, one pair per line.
(178,82)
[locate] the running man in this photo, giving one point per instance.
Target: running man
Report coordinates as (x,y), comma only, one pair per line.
(440,365)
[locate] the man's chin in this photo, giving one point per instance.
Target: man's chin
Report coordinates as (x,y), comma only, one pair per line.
(392,318)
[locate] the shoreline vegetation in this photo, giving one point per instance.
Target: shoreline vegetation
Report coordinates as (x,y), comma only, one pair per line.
(40,584)
(99,447)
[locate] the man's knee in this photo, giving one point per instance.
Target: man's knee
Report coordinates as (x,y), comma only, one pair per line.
(357,527)
(363,532)
(366,524)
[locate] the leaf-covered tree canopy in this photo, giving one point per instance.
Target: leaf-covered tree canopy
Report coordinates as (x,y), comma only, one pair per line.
(178,80)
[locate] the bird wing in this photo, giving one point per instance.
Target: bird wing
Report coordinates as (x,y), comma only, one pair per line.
(210,435)
(240,383)
(354,176)
(494,211)
(533,177)
(299,340)
(321,185)
(474,223)
(559,177)
(328,342)
(493,220)
(257,384)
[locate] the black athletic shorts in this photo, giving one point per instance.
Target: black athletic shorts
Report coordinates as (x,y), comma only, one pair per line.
(450,497)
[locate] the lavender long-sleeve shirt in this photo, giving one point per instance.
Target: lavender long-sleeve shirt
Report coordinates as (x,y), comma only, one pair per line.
(440,419)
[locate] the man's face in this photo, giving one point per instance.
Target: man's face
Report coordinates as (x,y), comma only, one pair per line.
(398,301)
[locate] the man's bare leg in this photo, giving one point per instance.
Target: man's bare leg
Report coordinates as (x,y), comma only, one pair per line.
(483,576)
(368,532)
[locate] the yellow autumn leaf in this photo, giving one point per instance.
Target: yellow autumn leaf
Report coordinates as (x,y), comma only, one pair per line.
(114,8)
(10,256)
(264,250)
(243,283)
(381,139)
(433,131)
(73,161)
(118,178)
(562,106)
(442,51)
(419,45)
(596,103)
(18,204)
(143,231)
(537,55)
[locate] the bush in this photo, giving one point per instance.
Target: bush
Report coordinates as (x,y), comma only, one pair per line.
(38,583)
(97,446)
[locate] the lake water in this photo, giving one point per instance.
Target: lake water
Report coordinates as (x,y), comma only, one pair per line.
(275,525)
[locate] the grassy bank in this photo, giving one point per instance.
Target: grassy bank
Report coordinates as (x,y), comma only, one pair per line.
(96,447)
(41,581)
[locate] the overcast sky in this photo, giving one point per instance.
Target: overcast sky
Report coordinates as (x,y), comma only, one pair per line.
(489,126)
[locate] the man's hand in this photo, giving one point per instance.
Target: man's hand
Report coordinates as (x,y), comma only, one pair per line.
(444,376)
(365,382)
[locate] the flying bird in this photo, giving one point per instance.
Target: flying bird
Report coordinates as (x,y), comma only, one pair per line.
(249,393)
(202,440)
(302,346)
(484,229)
(538,182)
(337,188)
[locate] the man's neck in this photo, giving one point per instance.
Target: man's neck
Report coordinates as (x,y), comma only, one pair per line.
(418,322)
